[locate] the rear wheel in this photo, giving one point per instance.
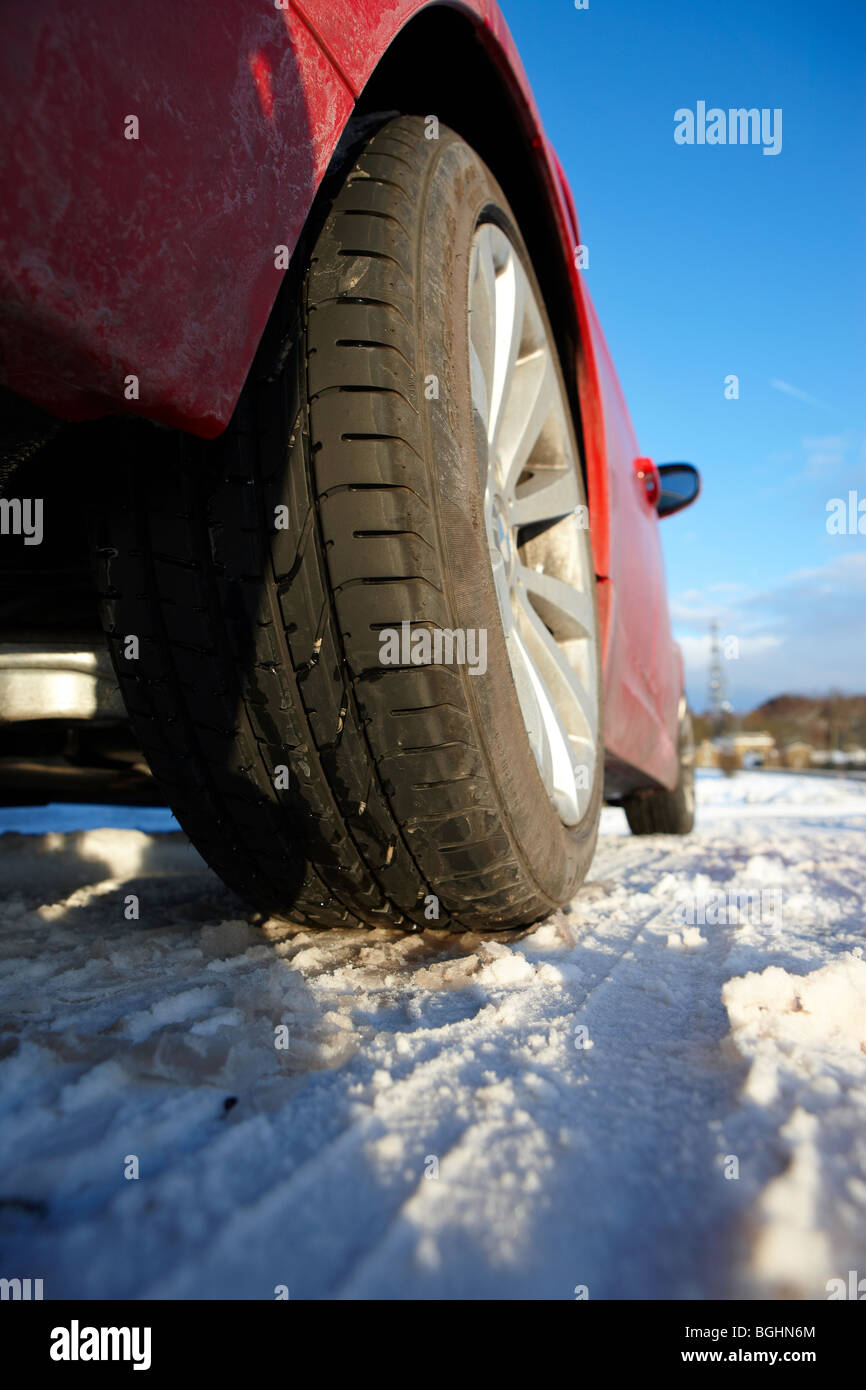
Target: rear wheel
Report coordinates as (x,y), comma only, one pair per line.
(656,811)
(367,666)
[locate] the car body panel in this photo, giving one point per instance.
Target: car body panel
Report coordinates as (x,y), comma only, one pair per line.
(156,258)
(642,676)
(153,257)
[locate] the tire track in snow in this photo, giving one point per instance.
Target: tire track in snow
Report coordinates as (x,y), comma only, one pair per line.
(557,1165)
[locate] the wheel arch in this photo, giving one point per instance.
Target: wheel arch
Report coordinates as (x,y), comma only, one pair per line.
(486,101)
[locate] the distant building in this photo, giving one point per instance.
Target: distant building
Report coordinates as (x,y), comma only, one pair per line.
(797,754)
(706,754)
(745,750)
(755,750)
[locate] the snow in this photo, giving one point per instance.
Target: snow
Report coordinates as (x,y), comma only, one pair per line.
(453,1116)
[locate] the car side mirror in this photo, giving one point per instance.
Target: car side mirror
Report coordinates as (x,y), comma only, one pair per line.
(680,484)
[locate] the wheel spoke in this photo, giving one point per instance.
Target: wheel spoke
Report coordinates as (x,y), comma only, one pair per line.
(527,686)
(532,395)
(574,615)
(553,494)
(554,669)
(559,749)
(507,334)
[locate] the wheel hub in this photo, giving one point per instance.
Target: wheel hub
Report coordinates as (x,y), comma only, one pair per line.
(502,535)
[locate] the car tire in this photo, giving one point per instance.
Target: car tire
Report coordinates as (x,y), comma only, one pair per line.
(656,811)
(257,572)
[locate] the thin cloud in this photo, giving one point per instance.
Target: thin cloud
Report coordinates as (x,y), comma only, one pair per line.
(788,390)
(824,455)
(799,634)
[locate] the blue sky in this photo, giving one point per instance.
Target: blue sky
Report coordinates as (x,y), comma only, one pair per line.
(710,260)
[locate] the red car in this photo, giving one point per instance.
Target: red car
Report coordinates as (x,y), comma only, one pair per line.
(294,328)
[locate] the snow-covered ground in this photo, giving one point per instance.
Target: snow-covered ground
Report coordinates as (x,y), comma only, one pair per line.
(452,1116)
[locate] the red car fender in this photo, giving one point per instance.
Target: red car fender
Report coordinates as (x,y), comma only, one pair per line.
(642,675)
(154,257)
